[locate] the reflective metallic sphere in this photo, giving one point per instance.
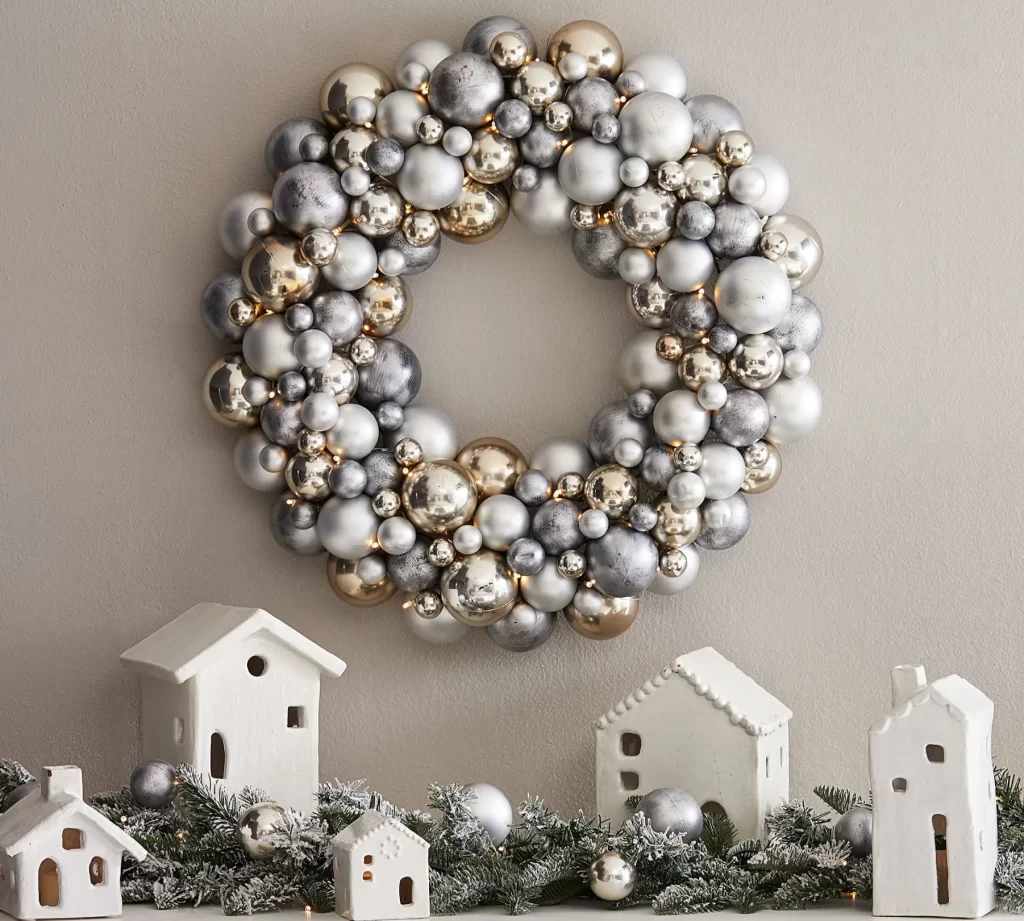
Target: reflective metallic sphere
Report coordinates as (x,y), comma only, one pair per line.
(345,84)
(348,527)
(650,303)
(478,39)
(276,275)
(734,148)
(386,305)
(793,245)
(756,362)
(284,144)
(538,84)
(439,496)
(378,212)
(623,562)
(589,99)
(222,393)
(523,628)
(440,630)
(726,522)
(762,476)
(611,489)
(693,315)
(233,226)
(671,585)
(595,41)
(703,180)
(477,214)
(256,828)
(645,216)
(611,876)
(215,303)
(656,127)
(350,147)
(548,590)
(493,464)
(479,589)
(308,196)
(350,588)
(613,618)
(432,428)
(509,51)
(558,116)
(465,89)
(525,556)
(712,117)
(491,157)
(676,527)
(698,365)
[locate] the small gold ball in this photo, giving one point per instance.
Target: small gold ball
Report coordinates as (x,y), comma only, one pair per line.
(734,148)
(569,486)
(386,304)
(675,529)
(765,470)
(408,452)
(429,129)
(688,457)
(428,605)
(421,228)
(441,552)
(611,489)
(669,346)
(672,563)
(558,116)
(699,364)
(243,311)
(319,246)
(362,351)
(493,464)
(307,476)
(509,51)
(572,564)
(311,443)
(477,214)
(345,581)
(584,217)
(387,503)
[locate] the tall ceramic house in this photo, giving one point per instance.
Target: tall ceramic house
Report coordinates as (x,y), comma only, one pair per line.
(235,692)
(59,857)
(703,726)
(934,841)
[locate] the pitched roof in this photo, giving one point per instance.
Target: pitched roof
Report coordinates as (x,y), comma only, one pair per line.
(34,819)
(961,699)
(366,825)
(201,635)
(714,677)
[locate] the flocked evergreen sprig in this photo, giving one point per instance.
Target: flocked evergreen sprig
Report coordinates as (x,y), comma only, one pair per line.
(195,856)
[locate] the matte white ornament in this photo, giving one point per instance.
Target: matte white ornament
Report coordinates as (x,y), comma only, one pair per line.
(59,857)
(380,870)
(677,730)
(235,692)
(931,774)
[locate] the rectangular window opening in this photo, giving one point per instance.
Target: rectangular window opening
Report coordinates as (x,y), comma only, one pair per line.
(630,744)
(630,780)
(218,757)
(941,863)
(899,785)
(367,859)
(367,875)
(72,839)
(179,731)
(781,757)
(936,754)
(97,871)
(405,891)
(767,766)
(296,717)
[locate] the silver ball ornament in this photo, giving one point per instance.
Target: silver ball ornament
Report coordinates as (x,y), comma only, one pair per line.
(441,630)
(801,327)
(355,181)
(544,209)
(634,172)
(465,88)
(426,52)
(548,590)
(525,556)
(491,809)
(796,364)
(467,539)
(501,521)
(385,156)
(685,265)
(630,83)
(671,585)
(643,517)
(396,535)
(313,348)
(742,420)
(354,262)
(642,368)
(722,470)
(214,302)
(793,245)
(641,403)
(430,178)
(307,196)
(573,67)
(795,408)
(398,114)
(354,433)
(533,487)
(558,456)
(610,425)
(392,375)
(413,571)
(589,171)
(737,230)
(597,250)
(611,877)
(636,266)
(593,523)
(679,418)
(246,458)
(855,827)
(752,294)
(712,395)
(725,522)
(348,527)
(457,141)
(686,491)
(673,812)
(233,226)
(661,73)
(695,220)
(347,479)
(656,127)
(287,532)
(629,453)
(478,39)
(588,99)
(479,589)
(747,185)
(777,184)
(712,116)
(152,784)
(622,562)
(524,628)
(657,467)
(256,827)
(555,526)
(645,216)
(513,118)
(431,427)
(285,144)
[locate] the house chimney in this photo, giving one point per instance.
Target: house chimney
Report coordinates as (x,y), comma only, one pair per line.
(63,779)
(907,682)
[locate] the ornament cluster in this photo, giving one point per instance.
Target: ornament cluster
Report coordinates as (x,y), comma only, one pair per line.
(664,192)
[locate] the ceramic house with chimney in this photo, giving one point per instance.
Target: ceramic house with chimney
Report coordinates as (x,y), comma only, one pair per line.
(703,726)
(59,857)
(235,692)
(934,842)
(380,870)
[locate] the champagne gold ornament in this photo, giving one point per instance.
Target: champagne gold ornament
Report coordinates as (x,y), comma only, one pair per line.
(611,489)
(675,529)
(439,496)
(613,618)
(509,51)
(428,605)
(492,158)
(669,347)
(756,362)
(347,83)
(421,228)
(595,41)
(538,84)
(379,210)
(386,304)
(243,311)
(734,148)
(311,443)
(441,552)
(307,476)
(276,275)
(493,464)
(703,180)
(688,457)
(794,246)
(408,452)
(345,581)
(348,147)
(569,486)
(222,393)
(479,589)
(764,467)
(477,214)
(698,365)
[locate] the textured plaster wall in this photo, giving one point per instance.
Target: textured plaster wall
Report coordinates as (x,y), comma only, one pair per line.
(893,535)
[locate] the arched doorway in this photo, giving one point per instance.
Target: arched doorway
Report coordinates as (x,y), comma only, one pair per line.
(405,891)
(218,756)
(49,884)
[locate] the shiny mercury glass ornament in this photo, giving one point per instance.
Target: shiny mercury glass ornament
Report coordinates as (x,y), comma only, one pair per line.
(276,274)
(223,395)
(439,496)
(479,589)
(350,588)
(763,463)
(611,489)
(345,84)
(493,464)
(611,877)
(477,214)
(256,826)
(594,41)
(612,617)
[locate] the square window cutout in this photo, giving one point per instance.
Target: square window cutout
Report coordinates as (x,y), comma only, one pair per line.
(296,717)
(899,785)
(935,753)
(630,781)
(630,744)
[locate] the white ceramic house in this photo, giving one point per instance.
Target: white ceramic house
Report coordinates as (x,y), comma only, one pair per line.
(235,692)
(703,726)
(380,870)
(59,857)
(931,780)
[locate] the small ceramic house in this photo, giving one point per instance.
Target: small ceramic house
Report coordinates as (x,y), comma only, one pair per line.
(235,692)
(934,840)
(702,726)
(59,857)
(380,870)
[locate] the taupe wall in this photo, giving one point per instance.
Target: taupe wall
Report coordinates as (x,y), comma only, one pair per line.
(892,536)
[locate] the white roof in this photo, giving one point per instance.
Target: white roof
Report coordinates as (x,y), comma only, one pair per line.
(714,677)
(366,826)
(961,699)
(33,820)
(201,635)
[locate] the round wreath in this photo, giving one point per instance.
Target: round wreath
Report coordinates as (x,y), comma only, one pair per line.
(663,192)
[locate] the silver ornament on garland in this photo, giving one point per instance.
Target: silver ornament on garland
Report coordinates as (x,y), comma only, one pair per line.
(674,812)
(611,877)
(256,827)
(492,810)
(855,828)
(152,784)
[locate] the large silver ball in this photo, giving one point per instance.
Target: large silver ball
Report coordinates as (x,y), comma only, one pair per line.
(679,418)
(642,368)
(793,245)
(712,117)
(685,265)
(722,470)
(428,52)
(795,407)
(492,810)
(397,115)
(217,296)
(672,585)
(657,468)
(246,458)
(742,420)
(801,327)
(656,127)
(281,421)
(674,812)
(728,524)
(776,184)
(623,562)
(431,428)
(589,171)
(283,145)
(855,827)
(546,208)
(597,250)
(465,89)
(542,147)
(662,73)
(556,526)
(430,178)
(440,630)
(752,294)
(354,433)
(268,347)
(152,784)
(348,527)
(417,258)
(303,541)
(513,118)
(737,230)
(338,314)
(502,520)
(413,571)
(523,628)
(548,590)
(561,455)
(309,195)
(233,226)
(587,99)
(354,263)
(478,39)
(610,425)
(394,375)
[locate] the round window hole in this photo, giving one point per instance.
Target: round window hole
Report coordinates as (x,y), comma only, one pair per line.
(257,665)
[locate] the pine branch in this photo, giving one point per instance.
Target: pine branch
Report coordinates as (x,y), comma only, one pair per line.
(719,834)
(837,799)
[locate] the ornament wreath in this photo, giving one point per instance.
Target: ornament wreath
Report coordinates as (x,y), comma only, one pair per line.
(664,192)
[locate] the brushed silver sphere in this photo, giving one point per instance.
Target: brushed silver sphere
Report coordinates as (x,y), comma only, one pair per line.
(465,88)
(776,184)
(354,262)
(801,327)
(597,250)
(671,585)
(752,294)
(560,455)
(268,347)
(338,315)
(413,571)
(590,98)
(523,628)
(354,433)
(656,127)
(661,73)
(712,117)
(795,407)
(610,425)
(348,527)
(478,39)
(214,302)
(685,265)
(546,208)
(284,144)
(281,422)
(417,258)
(398,114)
(513,118)
(542,147)
(441,630)
(589,171)
(384,157)
(657,468)
(302,541)
(793,245)
(348,479)
(556,526)
(382,471)
(645,216)
(680,418)
(693,315)
(501,520)
(233,225)
(479,589)
(525,556)
(307,196)
(674,812)
(855,827)
(431,428)
(722,470)
(533,487)
(548,590)
(623,562)
(642,368)
(737,230)
(726,522)
(394,375)
(246,459)
(695,220)
(742,420)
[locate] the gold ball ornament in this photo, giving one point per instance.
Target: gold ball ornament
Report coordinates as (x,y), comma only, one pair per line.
(734,148)
(595,41)
(479,589)
(319,246)
(408,452)
(675,529)
(243,311)
(538,84)
(493,464)
(307,476)
(441,552)
(698,365)
(794,246)
(362,351)
(757,361)
(492,158)
(387,503)
(348,147)
(764,467)
(611,489)
(688,457)
(439,496)
(311,443)
(345,581)
(275,274)
(509,51)
(222,393)
(614,617)
(477,214)
(421,228)
(428,605)
(572,564)
(569,486)
(379,211)
(669,347)
(704,180)
(386,304)
(345,84)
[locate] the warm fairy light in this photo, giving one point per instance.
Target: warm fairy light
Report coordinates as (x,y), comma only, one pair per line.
(308,909)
